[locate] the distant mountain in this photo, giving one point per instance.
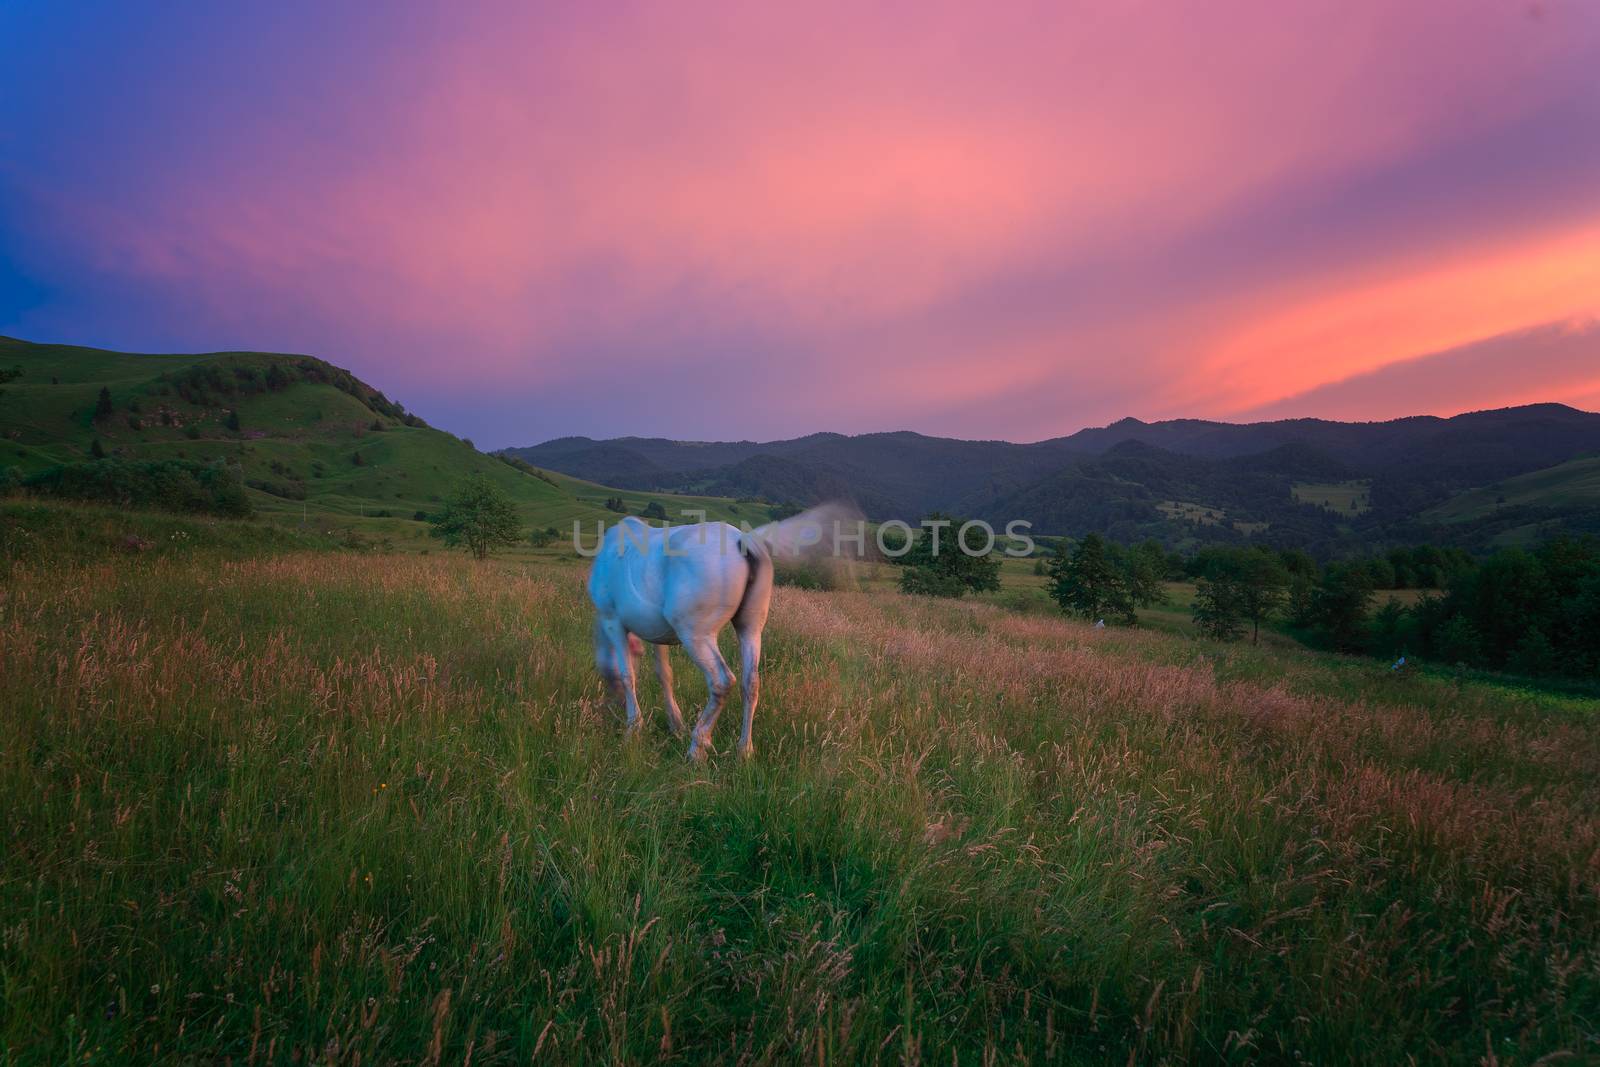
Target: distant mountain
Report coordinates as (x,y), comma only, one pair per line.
(1475,448)
(1323,484)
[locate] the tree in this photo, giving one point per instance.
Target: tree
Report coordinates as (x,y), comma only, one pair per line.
(1144,572)
(1238,586)
(1340,603)
(479,517)
(948,570)
(103,408)
(545,537)
(1217,610)
(97,450)
(1457,641)
(1265,589)
(232,421)
(1534,655)
(654,510)
(1097,580)
(614,503)
(1389,629)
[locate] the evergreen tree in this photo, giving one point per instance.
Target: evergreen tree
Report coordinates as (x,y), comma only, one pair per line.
(1389,629)
(1340,603)
(103,408)
(1086,583)
(232,422)
(97,450)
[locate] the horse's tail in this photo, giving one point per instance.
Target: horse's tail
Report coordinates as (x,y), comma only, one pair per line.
(757,595)
(813,534)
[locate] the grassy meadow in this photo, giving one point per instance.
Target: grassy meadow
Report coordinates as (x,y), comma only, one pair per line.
(272,802)
(1347,498)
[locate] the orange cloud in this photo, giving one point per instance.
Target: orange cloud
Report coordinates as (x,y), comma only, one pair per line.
(1368,323)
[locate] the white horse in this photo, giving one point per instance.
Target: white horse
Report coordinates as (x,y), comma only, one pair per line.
(680,586)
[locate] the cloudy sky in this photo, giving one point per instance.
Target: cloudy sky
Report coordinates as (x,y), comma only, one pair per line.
(756,220)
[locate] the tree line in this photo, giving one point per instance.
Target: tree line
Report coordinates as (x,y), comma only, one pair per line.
(1533,612)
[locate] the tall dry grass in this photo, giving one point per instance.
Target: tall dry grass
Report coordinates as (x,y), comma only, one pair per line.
(336,808)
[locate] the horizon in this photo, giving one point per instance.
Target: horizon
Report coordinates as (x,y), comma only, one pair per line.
(1057,437)
(1444,416)
(1012,225)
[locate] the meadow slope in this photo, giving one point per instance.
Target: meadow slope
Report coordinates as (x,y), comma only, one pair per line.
(317,449)
(336,807)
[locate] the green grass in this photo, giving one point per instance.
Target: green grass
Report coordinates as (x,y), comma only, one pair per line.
(314,805)
(51,533)
(1576,482)
(1345,498)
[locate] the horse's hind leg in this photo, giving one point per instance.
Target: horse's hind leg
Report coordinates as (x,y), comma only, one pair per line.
(750,664)
(719,679)
(664,672)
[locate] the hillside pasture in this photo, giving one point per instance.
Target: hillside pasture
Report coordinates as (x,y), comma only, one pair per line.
(316,805)
(1188,511)
(1345,498)
(312,454)
(1572,484)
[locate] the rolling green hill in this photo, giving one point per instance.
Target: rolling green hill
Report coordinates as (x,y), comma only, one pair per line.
(1523,510)
(1576,482)
(314,444)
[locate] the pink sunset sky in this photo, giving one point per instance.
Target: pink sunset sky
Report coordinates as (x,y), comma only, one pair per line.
(732,220)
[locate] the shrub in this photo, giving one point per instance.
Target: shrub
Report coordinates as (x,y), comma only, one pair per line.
(925,581)
(823,575)
(175,485)
(949,570)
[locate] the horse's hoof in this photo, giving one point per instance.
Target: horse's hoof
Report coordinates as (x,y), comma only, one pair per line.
(747,751)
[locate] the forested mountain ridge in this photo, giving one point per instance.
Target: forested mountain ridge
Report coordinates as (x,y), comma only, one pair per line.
(1310,482)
